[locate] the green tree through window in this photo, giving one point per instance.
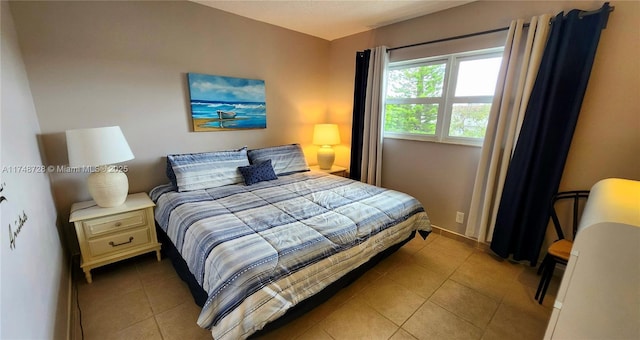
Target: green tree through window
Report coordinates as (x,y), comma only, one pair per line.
(414,82)
(445,98)
(469,120)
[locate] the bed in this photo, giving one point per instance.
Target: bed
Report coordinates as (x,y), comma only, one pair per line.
(256,235)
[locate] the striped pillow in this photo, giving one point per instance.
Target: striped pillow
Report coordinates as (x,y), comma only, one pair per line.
(285,159)
(207,169)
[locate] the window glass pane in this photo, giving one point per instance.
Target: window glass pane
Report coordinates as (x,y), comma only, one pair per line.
(477,77)
(469,120)
(411,118)
(416,82)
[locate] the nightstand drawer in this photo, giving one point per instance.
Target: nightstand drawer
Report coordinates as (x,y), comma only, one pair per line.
(118,242)
(108,235)
(108,224)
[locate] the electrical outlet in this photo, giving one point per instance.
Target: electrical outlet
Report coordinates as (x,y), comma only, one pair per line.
(459,217)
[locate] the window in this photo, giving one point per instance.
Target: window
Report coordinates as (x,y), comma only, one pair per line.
(442,99)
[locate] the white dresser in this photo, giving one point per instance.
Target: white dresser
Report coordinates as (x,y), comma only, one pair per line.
(599,297)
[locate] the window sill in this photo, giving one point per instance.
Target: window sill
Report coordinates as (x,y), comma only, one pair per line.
(432,139)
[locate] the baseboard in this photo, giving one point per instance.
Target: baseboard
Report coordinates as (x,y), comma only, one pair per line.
(72,303)
(70,299)
(472,242)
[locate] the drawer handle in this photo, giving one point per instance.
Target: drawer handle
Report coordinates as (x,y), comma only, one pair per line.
(118,224)
(119,244)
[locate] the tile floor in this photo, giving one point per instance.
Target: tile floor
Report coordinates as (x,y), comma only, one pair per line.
(434,289)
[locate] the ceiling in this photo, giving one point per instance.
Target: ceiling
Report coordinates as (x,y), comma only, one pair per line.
(331,19)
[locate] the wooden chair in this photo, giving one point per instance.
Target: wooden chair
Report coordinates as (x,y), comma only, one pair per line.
(560,250)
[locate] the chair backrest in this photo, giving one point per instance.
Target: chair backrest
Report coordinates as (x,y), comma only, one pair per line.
(576,196)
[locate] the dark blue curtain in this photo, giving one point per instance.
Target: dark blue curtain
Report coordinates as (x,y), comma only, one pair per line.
(357,127)
(538,161)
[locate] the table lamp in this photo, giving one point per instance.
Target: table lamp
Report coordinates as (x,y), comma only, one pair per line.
(101,147)
(326,135)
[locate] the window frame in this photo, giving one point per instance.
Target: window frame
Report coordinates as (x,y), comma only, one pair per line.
(446,100)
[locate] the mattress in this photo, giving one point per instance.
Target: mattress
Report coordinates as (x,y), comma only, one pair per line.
(259,250)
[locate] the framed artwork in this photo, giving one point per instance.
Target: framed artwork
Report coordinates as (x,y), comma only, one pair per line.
(226,103)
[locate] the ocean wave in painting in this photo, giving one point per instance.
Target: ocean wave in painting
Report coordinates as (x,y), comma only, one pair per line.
(247,115)
(219,102)
(210,110)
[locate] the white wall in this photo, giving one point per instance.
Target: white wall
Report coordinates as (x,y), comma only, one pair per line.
(607,139)
(34,270)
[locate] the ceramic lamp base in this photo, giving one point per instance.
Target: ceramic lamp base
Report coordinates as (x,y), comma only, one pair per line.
(108,187)
(326,156)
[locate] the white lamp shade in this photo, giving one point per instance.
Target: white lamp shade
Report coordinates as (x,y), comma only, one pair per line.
(326,134)
(101,147)
(97,146)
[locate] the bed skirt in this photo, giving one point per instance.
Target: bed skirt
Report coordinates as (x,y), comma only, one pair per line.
(200,295)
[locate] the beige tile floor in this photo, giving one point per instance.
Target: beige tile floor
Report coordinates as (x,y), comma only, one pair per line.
(434,289)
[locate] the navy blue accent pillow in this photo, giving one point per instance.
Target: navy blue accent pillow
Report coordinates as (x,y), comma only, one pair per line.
(255,173)
(170,174)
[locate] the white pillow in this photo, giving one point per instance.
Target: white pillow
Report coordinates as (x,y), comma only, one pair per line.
(207,169)
(285,159)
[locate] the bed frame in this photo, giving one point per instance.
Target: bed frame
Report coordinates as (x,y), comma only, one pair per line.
(200,296)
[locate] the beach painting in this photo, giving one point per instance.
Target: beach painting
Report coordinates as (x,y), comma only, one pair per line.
(225,103)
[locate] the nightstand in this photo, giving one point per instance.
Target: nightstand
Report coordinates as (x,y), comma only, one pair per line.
(108,235)
(335,170)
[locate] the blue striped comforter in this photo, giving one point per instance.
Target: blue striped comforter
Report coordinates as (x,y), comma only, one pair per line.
(258,250)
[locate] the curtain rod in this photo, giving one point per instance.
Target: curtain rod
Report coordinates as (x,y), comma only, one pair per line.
(582,14)
(451,38)
(605,6)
